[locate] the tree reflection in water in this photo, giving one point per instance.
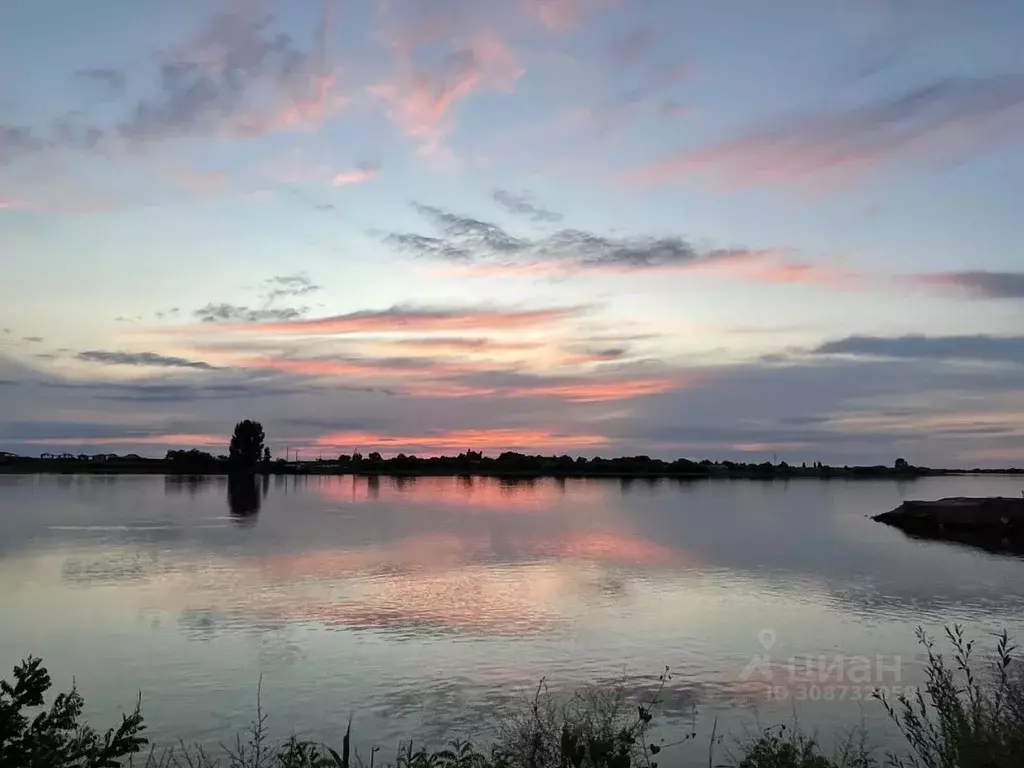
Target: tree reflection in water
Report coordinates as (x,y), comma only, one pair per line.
(244,497)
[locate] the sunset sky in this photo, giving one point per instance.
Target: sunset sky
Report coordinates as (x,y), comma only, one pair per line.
(600,227)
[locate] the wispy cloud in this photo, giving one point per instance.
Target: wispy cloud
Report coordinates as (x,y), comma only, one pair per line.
(475,243)
(159,391)
(415,319)
(634,46)
(524,205)
(146,359)
(112,80)
(962,114)
(236,78)
(338,366)
(446,345)
(769,268)
(422,97)
(598,391)
(358,175)
(233,313)
(977,283)
(290,285)
(20,141)
(1004,349)
(158,439)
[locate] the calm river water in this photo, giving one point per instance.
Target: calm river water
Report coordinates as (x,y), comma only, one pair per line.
(425,606)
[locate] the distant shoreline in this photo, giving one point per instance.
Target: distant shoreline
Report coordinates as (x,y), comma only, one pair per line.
(451,468)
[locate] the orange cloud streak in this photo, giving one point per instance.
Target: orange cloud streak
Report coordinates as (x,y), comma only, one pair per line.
(604,391)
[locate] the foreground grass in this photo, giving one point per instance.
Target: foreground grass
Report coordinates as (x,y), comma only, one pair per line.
(964,717)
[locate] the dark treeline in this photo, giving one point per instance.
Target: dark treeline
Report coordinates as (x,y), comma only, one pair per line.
(248,454)
(509,463)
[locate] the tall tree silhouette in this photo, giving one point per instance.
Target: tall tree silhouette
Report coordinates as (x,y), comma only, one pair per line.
(246,445)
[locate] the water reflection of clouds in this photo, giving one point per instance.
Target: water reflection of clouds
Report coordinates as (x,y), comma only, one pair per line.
(480,586)
(471,493)
(459,554)
(472,565)
(417,586)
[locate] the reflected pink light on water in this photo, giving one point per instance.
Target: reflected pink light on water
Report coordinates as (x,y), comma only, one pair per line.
(464,493)
(610,546)
(416,553)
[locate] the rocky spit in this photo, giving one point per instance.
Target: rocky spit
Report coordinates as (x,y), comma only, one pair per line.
(995,524)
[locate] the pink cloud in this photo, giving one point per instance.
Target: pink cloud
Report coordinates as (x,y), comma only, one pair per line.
(764,270)
(356,176)
(953,116)
(8,204)
(301,109)
(423,101)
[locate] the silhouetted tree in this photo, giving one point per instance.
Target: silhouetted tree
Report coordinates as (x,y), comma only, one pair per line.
(266,454)
(901,464)
(246,445)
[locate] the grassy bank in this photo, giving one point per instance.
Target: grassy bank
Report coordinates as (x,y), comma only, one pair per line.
(970,714)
